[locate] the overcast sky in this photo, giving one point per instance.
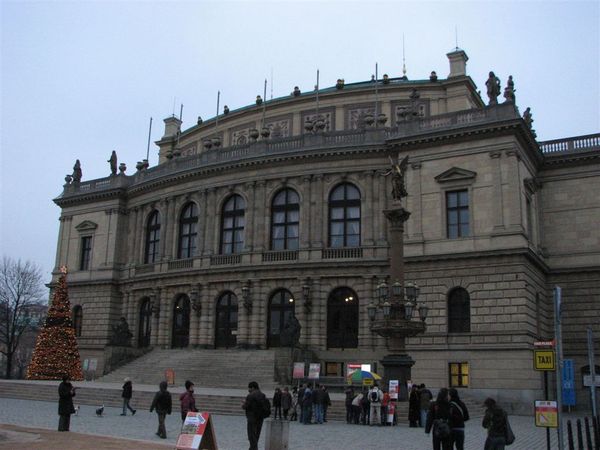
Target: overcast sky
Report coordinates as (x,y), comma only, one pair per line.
(80,79)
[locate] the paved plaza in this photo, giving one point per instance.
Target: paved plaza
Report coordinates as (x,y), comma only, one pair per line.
(231,430)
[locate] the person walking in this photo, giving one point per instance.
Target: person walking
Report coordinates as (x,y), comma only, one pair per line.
(66,392)
(459,414)
(127,394)
(494,421)
(187,401)
(253,405)
(286,402)
(438,419)
(277,403)
(326,402)
(349,392)
(425,397)
(375,397)
(365,405)
(414,407)
(162,403)
(318,399)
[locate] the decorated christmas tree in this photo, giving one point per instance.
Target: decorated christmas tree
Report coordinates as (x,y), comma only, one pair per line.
(56,353)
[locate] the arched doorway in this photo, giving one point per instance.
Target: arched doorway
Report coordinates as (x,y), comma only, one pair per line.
(342,319)
(144,329)
(226,321)
(281,309)
(181,322)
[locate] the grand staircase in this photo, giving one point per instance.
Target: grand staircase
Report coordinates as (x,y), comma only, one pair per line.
(229,369)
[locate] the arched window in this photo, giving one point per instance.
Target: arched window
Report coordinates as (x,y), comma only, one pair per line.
(188,230)
(342,319)
(77,319)
(232,229)
(227,318)
(459,311)
(285,212)
(144,328)
(152,238)
(181,322)
(344,216)
(281,310)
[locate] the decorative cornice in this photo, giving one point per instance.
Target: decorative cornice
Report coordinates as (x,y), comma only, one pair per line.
(456,174)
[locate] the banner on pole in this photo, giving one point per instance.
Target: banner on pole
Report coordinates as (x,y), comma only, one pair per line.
(393,389)
(314,369)
(298,370)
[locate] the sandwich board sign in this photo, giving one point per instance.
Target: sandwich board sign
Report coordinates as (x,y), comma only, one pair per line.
(197,433)
(546,413)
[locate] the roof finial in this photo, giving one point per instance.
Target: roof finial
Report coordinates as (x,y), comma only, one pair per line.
(456,36)
(403,58)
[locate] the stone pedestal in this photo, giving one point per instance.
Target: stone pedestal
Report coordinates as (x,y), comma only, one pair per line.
(277,434)
(397,367)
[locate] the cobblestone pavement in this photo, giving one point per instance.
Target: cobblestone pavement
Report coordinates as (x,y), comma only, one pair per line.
(231,430)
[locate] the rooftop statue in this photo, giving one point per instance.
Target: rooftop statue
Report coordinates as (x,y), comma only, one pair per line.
(77,172)
(398,171)
(113,163)
(493,88)
(509,90)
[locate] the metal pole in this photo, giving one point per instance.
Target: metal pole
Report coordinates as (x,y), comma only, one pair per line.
(590,344)
(376,96)
(149,134)
(546,398)
(559,356)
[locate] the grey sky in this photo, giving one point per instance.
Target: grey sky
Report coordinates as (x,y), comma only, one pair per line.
(80,79)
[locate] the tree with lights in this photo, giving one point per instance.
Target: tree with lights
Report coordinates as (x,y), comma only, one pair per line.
(56,353)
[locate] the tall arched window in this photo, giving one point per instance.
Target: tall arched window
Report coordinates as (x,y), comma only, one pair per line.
(152,238)
(226,321)
(281,310)
(188,230)
(285,212)
(342,319)
(144,327)
(181,322)
(232,229)
(459,311)
(344,216)
(77,319)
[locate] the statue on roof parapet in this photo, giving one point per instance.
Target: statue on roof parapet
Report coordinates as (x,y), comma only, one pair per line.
(77,172)
(509,90)
(493,88)
(113,163)
(527,117)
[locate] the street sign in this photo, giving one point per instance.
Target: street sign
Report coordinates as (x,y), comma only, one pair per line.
(546,413)
(543,344)
(568,380)
(587,380)
(544,360)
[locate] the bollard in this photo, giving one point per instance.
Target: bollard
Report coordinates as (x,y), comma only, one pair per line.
(588,435)
(277,435)
(579,435)
(570,436)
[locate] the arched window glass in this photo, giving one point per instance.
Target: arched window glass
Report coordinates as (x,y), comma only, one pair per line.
(144,328)
(232,229)
(459,311)
(344,216)
(281,310)
(152,238)
(188,231)
(342,319)
(181,322)
(226,321)
(77,319)
(285,212)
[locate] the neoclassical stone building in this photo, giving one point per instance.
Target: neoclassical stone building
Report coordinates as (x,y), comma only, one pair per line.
(276,209)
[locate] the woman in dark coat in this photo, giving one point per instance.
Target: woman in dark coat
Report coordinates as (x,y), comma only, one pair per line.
(459,414)
(127,394)
(438,418)
(66,392)
(414,410)
(162,403)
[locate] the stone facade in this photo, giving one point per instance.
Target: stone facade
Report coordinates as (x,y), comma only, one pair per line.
(530,221)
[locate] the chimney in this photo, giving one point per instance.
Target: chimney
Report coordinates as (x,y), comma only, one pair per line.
(458,63)
(172,127)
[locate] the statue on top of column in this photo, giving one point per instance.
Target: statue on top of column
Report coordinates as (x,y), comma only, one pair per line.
(77,172)
(113,163)
(493,88)
(398,172)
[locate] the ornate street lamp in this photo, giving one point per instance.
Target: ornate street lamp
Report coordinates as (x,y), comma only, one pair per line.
(246,296)
(306,295)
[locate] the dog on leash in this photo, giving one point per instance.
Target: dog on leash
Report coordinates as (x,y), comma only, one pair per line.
(100,411)
(76,410)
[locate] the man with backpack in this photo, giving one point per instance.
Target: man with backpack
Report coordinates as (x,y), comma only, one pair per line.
(257,409)
(375,397)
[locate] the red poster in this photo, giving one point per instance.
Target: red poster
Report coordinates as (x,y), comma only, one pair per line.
(298,370)
(197,430)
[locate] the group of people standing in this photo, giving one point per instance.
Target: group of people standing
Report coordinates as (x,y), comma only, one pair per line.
(368,406)
(312,404)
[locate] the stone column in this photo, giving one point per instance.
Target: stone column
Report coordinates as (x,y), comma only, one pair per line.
(194,318)
(140,236)
(417,204)
(318,329)
(514,197)
(245,319)
(367,224)
(498,217)
(165,319)
(154,337)
(202,215)
(250,216)
(306,224)
(261,240)
(62,241)
(320,204)
(131,233)
(381,204)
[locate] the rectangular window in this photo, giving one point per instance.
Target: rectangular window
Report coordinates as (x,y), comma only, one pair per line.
(86,253)
(459,374)
(457,213)
(333,369)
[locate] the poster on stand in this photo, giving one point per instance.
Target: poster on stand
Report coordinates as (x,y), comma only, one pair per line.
(298,372)
(313,371)
(197,432)
(394,389)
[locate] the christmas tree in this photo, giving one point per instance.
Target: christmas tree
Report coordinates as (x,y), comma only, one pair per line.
(56,353)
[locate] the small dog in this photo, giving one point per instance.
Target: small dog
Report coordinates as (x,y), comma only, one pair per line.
(76,410)
(100,411)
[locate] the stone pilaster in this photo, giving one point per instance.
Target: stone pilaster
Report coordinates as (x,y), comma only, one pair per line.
(367,219)
(319,204)
(497,187)
(514,186)
(306,224)
(417,204)
(155,334)
(210,214)
(252,214)
(165,319)
(260,239)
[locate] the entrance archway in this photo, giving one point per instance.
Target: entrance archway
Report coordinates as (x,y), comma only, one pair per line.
(181,322)
(342,319)
(281,309)
(226,321)
(144,330)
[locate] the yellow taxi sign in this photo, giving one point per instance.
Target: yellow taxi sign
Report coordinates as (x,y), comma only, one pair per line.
(544,360)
